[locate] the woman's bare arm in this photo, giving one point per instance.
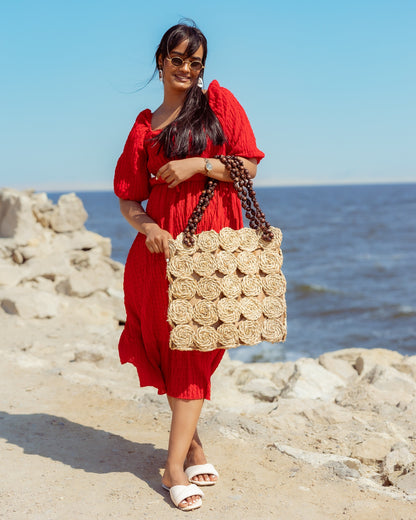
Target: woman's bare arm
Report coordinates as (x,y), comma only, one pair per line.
(177,171)
(156,237)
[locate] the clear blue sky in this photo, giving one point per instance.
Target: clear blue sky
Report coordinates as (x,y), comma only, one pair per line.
(329,86)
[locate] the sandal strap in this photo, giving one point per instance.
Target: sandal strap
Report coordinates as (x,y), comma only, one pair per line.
(201,469)
(180,493)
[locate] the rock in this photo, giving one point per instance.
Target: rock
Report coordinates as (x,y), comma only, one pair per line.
(68,215)
(233,425)
(363,360)
(17,257)
(388,379)
(243,375)
(7,246)
(113,305)
(117,267)
(51,267)
(10,275)
(89,313)
(292,414)
(248,371)
(83,240)
(283,373)
(372,450)
(340,367)
(28,252)
(311,380)
(262,389)
(359,365)
(368,398)
(409,408)
(88,240)
(42,208)
(341,470)
(408,366)
(407,483)
(318,459)
(328,414)
(399,461)
(16,215)
(367,359)
(29,304)
(85,282)
(114,293)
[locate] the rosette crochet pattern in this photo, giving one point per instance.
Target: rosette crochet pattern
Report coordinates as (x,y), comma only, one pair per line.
(226,290)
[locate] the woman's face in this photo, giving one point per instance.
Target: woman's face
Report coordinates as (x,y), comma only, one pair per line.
(182,77)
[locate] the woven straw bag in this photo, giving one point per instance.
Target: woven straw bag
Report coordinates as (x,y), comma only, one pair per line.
(227,289)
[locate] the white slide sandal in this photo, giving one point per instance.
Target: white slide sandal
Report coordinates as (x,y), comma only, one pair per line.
(180,493)
(201,469)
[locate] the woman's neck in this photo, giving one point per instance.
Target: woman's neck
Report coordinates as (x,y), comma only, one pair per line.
(168,110)
(173,101)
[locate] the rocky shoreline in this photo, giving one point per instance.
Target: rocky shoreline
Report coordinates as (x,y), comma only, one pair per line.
(351,412)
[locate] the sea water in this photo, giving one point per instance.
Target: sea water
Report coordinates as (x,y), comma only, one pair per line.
(349,259)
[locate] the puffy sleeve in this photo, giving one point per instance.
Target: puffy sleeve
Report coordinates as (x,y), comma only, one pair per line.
(235,123)
(131,179)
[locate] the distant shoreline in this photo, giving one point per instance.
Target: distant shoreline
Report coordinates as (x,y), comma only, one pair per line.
(258,185)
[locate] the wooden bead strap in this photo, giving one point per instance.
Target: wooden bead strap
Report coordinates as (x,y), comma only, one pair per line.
(243,185)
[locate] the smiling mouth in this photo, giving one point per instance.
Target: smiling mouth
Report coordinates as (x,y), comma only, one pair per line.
(182,78)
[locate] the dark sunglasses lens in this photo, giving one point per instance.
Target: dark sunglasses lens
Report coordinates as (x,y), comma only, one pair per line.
(196,65)
(177,62)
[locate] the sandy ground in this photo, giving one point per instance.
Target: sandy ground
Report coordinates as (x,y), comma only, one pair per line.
(72,451)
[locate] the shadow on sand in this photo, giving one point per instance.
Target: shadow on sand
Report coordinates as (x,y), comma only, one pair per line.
(83,447)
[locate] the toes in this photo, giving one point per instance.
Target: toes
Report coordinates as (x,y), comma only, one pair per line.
(189,501)
(209,478)
(206,477)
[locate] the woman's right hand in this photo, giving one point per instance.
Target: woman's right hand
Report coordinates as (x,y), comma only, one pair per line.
(157,239)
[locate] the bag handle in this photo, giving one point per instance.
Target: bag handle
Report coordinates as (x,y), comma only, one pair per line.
(243,185)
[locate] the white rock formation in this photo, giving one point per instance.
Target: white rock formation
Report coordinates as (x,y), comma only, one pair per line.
(48,258)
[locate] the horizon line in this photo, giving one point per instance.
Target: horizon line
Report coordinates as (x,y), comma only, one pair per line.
(105,188)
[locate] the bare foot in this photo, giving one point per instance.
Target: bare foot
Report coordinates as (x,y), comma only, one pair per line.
(196,456)
(176,477)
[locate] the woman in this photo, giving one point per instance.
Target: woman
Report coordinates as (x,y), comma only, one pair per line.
(166,159)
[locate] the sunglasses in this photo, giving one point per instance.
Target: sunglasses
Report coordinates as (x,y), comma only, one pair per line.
(195,65)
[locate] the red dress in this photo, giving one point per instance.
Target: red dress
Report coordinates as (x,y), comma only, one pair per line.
(145,338)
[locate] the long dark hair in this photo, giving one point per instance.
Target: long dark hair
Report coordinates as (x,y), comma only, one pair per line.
(187,134)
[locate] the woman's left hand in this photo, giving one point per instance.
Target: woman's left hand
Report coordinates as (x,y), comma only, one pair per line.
(175,172)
